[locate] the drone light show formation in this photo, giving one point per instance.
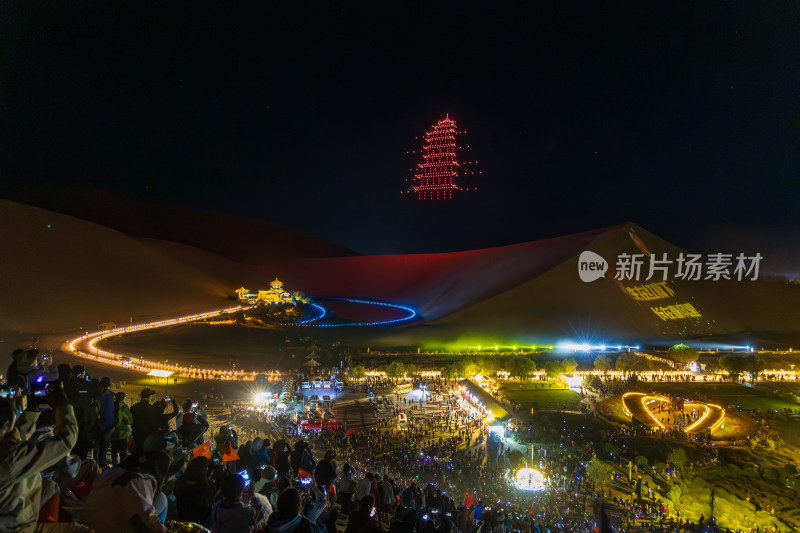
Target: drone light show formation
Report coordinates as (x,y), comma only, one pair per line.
(435,177)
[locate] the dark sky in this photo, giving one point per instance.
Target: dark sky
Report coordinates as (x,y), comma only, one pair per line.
(681,116)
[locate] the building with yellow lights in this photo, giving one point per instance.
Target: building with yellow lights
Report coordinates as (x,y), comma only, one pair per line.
(275,294)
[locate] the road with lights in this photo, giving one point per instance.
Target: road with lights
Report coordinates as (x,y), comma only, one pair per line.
(87,346)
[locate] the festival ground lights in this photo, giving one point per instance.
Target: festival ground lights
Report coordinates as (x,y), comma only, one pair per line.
(637,405)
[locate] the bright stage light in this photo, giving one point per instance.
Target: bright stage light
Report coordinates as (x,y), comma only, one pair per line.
(529,479)
(160,373)
(499,430)
(261,398)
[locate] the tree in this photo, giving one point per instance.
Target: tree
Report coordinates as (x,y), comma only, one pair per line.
(569,365)
(466,368)
(755,365)
(487,364)
(553,369)
(450,372)
(677,458)
(624,362)
(602,363)
(521,367)
(357,372)
(673,496)
(600,472)
(592,382)
(733,364)
(682,353)
(412,370)
(395,370)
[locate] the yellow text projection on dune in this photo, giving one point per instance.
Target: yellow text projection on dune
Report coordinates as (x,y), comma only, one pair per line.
(637,405)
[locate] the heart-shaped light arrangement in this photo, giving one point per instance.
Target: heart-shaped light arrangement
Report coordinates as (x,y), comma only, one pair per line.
(637,405)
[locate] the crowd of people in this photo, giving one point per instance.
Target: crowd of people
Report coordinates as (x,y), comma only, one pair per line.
(75,457)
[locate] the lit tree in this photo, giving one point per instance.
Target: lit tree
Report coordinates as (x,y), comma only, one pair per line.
(521,367)
(412,370)
(682,354)
(450,372)
(466,368)
(553,369)
(395,370)
(602,363)
(357,372)
(600,472)
(569,365)
(624,362)
(677,458)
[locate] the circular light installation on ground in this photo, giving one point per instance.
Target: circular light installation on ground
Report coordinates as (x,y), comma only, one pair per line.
(529,479)
(410,314)
(322,312)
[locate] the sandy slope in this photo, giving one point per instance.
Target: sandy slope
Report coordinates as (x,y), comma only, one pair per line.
(60,273)
(56,279)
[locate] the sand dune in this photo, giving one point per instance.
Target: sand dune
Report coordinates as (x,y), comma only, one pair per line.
(61,273)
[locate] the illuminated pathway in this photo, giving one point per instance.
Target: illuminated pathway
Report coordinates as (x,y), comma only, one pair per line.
(86,346)
(638,404)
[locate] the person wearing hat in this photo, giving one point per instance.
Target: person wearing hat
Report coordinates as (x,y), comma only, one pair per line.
(24,366)
(23,459)
(145,419)
(21,363)
(122,429)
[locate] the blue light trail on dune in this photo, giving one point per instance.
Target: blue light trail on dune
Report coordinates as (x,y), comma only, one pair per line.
(411,314)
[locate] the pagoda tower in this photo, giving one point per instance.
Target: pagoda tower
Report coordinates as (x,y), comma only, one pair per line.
(435,175)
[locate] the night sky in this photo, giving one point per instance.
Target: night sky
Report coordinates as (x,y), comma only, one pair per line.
(683,117)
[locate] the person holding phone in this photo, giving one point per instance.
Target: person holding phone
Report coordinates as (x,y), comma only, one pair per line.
(23,459)
(231,514)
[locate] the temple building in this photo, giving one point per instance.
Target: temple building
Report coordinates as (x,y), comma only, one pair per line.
(275,294)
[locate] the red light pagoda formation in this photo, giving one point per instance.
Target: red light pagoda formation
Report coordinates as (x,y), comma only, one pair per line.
(434,177)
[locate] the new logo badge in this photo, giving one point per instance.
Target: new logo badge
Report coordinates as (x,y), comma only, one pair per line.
(591,266)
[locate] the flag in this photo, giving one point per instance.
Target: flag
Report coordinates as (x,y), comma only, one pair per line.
(302,473)
(468,500)
(204,450)
(533,507)
(230,454)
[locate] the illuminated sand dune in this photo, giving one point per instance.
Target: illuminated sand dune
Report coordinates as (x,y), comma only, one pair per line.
(638,404)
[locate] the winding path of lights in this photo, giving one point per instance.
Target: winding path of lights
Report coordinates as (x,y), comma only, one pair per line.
(86,347)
